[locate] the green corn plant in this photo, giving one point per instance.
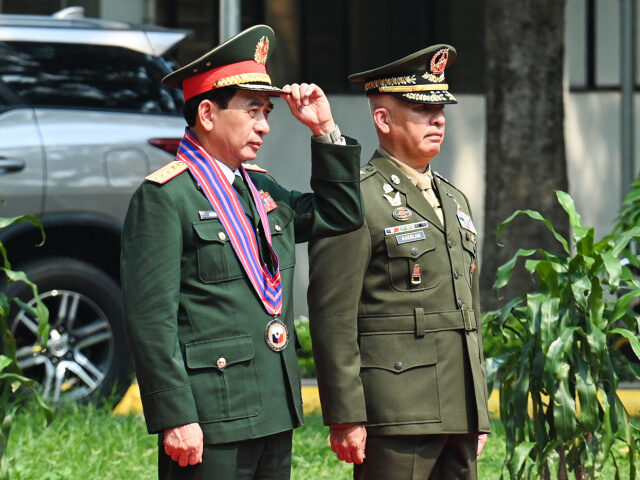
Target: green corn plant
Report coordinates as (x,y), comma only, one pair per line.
(629,215)
(16,389)
(556,356)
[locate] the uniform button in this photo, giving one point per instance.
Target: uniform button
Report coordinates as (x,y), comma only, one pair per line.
(221,235)
(456,274)
(398,366)
(222,362)
(460,303)
(277,228)
(414,251)
(369,169)
(450,243)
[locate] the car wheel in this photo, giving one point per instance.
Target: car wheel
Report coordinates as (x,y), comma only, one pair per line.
(86,357)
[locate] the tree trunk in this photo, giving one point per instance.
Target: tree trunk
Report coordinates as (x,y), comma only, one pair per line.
(525,150)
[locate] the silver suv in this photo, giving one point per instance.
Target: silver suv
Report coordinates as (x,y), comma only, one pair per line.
(83,118)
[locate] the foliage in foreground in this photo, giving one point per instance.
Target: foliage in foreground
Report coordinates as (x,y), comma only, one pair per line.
(16,389)
(556,352)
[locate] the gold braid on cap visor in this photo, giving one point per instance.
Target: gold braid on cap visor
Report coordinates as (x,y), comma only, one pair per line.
(243,78)
(381,82)
(413,88)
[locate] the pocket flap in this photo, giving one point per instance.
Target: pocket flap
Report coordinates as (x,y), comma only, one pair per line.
(402,245)
(279,218)
(207,353)
(468,241)
(210,231)
(397,352)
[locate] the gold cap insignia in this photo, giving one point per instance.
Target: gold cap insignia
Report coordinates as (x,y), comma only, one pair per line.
(439,61)
(262,50)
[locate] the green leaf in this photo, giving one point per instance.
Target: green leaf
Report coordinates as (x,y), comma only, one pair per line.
(614,268)
(520,455)
(623,304)
(505,271)
(5,362)
(588,396)
(567,203)
(564,412)
(5,222)
(548,322)
(536,216)
(623,240)
(633,340)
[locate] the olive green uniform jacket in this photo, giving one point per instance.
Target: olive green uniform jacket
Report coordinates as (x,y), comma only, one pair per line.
(188,301)
(405,358)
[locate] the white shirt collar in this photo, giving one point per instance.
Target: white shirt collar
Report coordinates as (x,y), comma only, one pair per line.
(228,173)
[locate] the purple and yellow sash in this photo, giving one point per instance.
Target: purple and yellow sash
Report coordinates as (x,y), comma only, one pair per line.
(224,200)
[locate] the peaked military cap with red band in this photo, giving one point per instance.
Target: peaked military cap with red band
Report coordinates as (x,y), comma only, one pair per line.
(417,78)
(240,62)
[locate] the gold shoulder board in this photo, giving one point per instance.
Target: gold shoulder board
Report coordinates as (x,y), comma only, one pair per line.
(166,173)
(255,168)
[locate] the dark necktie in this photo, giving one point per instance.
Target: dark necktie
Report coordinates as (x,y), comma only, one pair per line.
(249,206)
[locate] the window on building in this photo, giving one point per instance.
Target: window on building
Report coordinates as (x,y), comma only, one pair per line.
(593,43)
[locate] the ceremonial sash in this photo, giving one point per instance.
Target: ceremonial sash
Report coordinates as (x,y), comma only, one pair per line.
(225,203)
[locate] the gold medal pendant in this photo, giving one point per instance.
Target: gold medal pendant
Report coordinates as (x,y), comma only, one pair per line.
(276,335)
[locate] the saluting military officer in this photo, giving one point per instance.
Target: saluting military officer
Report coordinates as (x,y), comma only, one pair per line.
(396,329)
(207,268)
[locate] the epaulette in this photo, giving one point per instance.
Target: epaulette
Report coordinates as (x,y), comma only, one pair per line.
(254,168)
(366,171)
(166,173)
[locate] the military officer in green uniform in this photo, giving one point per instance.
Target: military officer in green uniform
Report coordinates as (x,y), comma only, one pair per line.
(396,326)
(207,268)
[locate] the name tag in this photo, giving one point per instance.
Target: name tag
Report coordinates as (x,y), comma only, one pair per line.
(410,237)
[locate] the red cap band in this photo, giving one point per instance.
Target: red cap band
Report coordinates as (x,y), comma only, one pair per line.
(233,74)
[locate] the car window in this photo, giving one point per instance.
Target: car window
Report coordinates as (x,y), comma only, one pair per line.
(87,76)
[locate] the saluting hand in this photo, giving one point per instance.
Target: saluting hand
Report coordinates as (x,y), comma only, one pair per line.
(349,440)
(310,106)
(184,444)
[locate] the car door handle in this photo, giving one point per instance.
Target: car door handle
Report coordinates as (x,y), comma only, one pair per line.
(8,165)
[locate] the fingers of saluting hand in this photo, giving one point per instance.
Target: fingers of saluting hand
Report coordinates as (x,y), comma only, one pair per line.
(300,94)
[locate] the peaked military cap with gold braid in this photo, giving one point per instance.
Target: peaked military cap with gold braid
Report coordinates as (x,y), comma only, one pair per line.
(417,78)
(240,62)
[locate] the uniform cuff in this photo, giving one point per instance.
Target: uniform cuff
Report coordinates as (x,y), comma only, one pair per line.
(169,408)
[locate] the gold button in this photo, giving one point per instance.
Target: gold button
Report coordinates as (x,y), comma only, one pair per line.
(221,235)
(222,362)
(277,228)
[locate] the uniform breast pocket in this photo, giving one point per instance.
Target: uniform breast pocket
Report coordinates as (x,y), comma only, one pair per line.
(283,235)
(399,378)
(470,249)
(217,262)
(223,378)
(412,258)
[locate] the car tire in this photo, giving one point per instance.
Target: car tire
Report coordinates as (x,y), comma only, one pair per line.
(86,358)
